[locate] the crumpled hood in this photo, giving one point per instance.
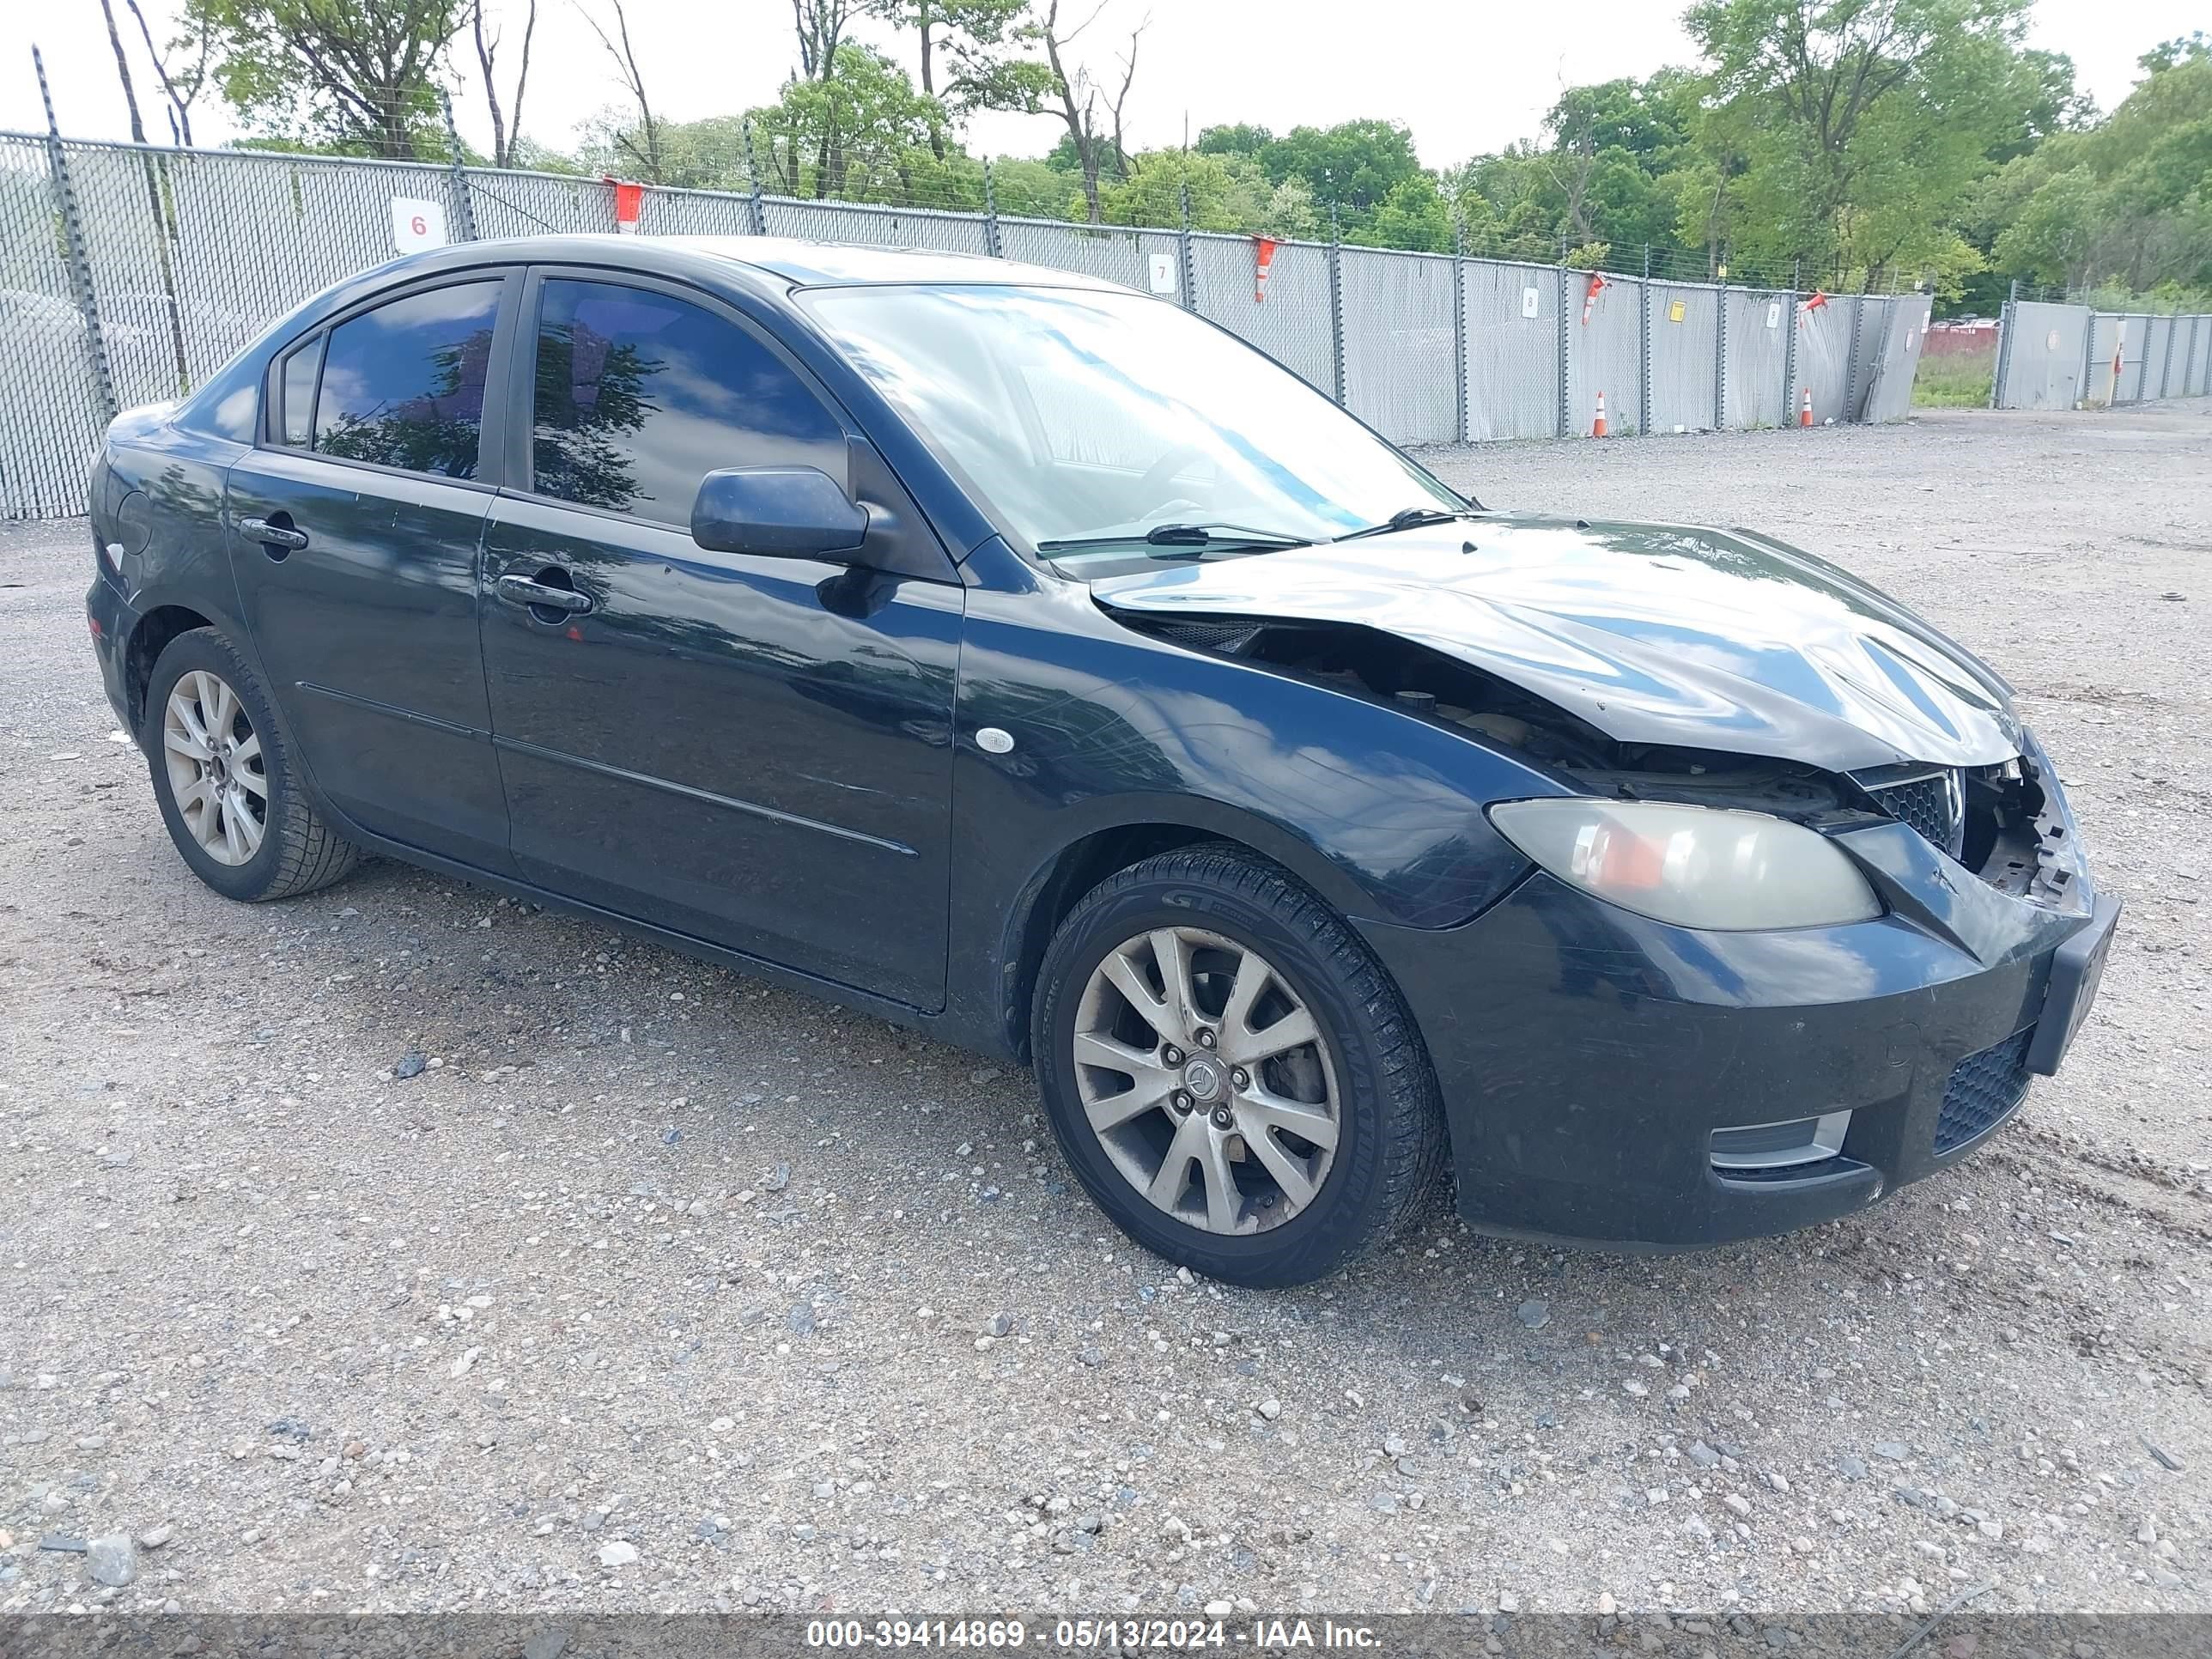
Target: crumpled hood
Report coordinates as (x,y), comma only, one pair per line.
(1661,634)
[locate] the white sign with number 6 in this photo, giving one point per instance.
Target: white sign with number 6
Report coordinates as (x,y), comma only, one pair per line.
(416,225)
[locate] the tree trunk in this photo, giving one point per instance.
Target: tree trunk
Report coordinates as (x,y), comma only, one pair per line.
(929,87)
(123,70)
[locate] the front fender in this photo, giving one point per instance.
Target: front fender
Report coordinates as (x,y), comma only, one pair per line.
(1380,812)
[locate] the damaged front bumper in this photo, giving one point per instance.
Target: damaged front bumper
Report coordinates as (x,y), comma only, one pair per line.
(1602,1072)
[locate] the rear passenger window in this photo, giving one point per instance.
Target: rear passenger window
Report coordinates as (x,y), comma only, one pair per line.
(640,395)
(298,394)
(403,385)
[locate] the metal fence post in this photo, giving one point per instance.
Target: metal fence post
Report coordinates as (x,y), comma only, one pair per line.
(2189,363)
(465,213)
(992,245)
(1644,423)
(1789,349)
(2006,322)
(2089,355)
(1458,328)
(1565,425)
(1184,256)
(1720,357)
(2165,363)
(752,177)
(79,265)
(1336,301)
(1851,362)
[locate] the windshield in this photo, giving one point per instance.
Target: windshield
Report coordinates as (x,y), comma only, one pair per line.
(1091,417)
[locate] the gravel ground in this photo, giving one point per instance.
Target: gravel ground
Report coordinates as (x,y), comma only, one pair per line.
(655,1288)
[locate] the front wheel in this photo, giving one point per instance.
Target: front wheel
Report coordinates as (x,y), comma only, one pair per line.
(1230,1072)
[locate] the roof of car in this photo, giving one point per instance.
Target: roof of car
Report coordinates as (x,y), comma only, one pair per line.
(821,265)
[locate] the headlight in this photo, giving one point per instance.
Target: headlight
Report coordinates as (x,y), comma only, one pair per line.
(1696,867)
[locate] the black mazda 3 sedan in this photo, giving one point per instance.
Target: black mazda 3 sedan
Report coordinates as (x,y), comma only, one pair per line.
(1031,662)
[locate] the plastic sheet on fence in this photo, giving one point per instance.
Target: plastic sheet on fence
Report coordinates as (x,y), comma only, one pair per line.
(505,203)
(1400,362)
(1823,357)
(1605,354)
(54,409)
(1685,336)
(1292,325)
(2200,374)
(1758,345)
(1896,357)
(2041,355)
(881,226)
(693,213)
(1512,351)
(1105,251)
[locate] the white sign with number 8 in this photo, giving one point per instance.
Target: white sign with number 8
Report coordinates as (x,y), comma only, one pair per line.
(416,225)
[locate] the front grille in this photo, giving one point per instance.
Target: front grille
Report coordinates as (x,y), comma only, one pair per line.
(1983,1090)
(1934,805)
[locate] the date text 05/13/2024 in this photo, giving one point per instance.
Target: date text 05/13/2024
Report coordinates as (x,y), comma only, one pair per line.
(1281,1635)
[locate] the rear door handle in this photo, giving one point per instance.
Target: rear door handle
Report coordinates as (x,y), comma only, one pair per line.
(542,596)
(272,535)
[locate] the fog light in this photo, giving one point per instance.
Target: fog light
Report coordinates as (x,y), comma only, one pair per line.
(1780,1145)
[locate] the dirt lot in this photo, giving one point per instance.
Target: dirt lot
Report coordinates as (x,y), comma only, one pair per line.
(658,1289)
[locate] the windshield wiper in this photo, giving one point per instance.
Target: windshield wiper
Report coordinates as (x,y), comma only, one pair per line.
(1185,535)
(1410,518)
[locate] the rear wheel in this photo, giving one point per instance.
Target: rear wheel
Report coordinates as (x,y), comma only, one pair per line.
(223,777)
(1229,1071)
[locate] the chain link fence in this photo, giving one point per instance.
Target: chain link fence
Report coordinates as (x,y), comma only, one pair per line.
(129,274)
(2067,356)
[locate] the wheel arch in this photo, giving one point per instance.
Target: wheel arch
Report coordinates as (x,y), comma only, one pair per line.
(148,639)
(1078,865)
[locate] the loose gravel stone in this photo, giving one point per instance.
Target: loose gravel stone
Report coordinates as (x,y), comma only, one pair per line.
(112,1558)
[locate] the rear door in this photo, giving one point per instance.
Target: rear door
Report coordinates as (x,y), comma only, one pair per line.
(754,751)
(355,526)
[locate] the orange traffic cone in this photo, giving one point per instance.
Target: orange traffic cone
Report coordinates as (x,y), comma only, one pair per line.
(1805,409)
(1597,426)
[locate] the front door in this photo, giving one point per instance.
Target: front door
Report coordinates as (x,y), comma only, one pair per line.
(355,526)
(753,750)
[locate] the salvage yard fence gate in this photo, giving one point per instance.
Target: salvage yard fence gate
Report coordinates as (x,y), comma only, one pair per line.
(2067,356)
(130,273)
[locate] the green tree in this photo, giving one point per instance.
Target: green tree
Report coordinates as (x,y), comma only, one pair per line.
(970,55)
(353,76)
(858,133)
(2128,202)
(1351,166)
(1866,122)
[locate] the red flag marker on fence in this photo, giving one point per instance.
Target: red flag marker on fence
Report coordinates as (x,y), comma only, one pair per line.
(1817,302)
(1597,426)
(629,204)
(1263,255)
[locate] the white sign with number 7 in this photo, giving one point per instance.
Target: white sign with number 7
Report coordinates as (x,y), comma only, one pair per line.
(416,225)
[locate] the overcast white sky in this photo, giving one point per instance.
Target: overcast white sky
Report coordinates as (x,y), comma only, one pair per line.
(1465,77)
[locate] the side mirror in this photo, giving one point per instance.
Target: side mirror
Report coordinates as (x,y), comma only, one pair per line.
(788,512)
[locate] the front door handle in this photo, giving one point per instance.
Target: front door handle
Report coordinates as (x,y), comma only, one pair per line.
(272,535)
(542,596)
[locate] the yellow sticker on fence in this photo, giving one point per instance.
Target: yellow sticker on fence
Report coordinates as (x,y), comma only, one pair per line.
(1677,310)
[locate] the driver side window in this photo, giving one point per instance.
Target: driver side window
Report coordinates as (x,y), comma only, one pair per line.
(638,395)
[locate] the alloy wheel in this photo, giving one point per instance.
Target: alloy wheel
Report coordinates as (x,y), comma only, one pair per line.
(217,773)
(1206,1081)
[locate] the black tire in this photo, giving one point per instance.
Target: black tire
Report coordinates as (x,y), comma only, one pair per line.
(299,852)
(1391,1153)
